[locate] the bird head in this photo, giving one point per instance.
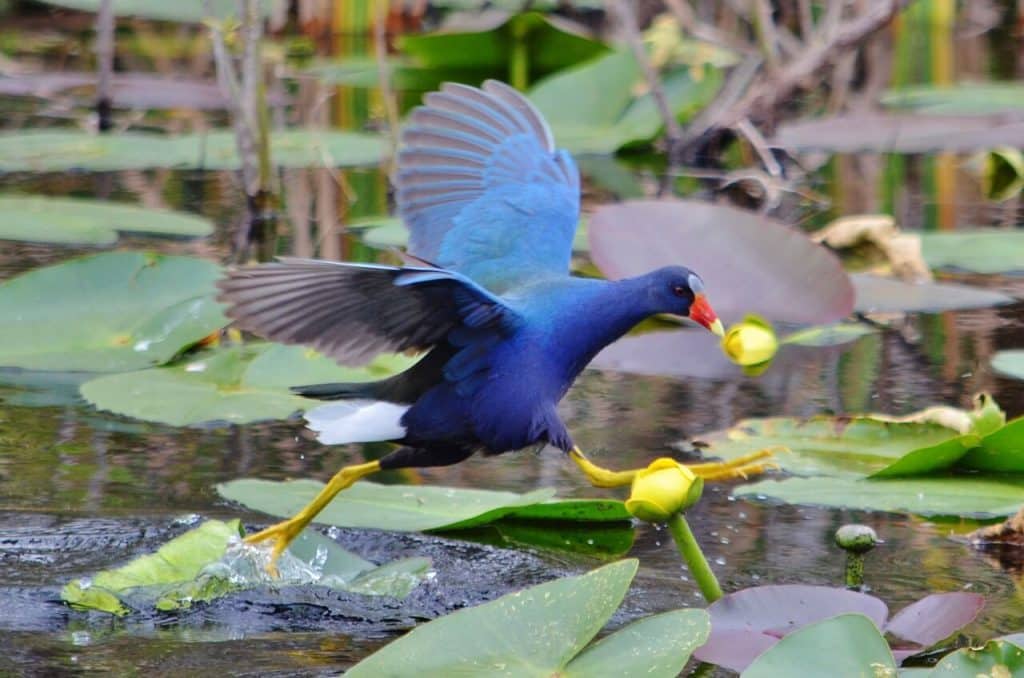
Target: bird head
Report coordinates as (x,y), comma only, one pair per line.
(680,291)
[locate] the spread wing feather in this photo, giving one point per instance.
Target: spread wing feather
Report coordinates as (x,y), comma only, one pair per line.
(352,312)
(483,189)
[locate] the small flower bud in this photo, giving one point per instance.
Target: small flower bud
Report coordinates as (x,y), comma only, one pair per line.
(751,342)
(662,490)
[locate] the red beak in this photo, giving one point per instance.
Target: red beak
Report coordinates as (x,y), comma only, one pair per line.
(702,313)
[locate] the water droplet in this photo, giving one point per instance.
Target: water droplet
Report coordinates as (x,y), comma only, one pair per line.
(85,583)
(142,345)
(724,540)
(198,366)
(719,560)
(81,638)
(742,515)
(188,519)
(333,532)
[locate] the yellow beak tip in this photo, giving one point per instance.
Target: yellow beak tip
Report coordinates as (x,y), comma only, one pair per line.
(717,329)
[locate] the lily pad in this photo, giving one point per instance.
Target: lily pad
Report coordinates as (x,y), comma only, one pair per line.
(543,631)
(778,263)
(108,312)
(876,294)
(971,496)
(600,540)
(1010,363)
(594,107)
(57,151)
(89,222)
(235,384)
(406,508)
(208,562)
(986,250)
(995,658)
(849,645)
(964,98)
(185,11)
(748,622)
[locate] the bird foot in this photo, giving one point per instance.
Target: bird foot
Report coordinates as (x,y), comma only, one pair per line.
(740,467)
(282,534)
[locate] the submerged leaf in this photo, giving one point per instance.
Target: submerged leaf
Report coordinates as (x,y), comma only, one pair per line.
(109,312)
(235,384)
(776,261)
(77,221)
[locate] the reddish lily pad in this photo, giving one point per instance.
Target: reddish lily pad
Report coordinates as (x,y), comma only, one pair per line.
(749,263)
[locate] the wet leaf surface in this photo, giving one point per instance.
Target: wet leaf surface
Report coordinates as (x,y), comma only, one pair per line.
(89,222)
(996,658)
(778,263)
(108,312)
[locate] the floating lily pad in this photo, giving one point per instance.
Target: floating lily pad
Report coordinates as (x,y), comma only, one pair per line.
(595,108)
(409,508)
(108,312)
(972,496)
(235,384)
(89,222)
(777,262)
(1010,363)
(600,540)
(987,250)
(200,566)
(876,294)
(995,658)
(543,631)
(847,646)
(185,11)
(964,98)
(826,445)
(57,151)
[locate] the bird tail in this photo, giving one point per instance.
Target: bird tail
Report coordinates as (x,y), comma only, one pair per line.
(368,390)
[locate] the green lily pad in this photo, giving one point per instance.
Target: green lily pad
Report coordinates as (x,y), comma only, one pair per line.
(190,11)
(198,567)
(965,98)
(875,294)
(486,43)
(407,508)
(829,335)
(76,221)
(594,108)
(543,631)
(988,250)
(1010,363)
(57,151)
(841,446)
(108,312)
(995,658)
(600,540)
(973,496)
(849,645)
(235,384)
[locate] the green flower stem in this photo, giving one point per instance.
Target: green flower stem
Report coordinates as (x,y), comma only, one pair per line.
(689,549)
(854,571)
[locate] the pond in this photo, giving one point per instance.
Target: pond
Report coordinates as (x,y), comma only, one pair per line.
(82,489)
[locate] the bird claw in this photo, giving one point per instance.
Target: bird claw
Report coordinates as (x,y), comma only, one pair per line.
(282,534)
(740,467)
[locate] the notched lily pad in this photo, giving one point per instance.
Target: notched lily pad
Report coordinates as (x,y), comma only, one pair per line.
(544,631)
(75,221)
(108,312)
(209,562)
(407,508)
(234,384)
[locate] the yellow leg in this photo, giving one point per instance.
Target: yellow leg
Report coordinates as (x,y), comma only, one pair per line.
(286,531)
(741,467)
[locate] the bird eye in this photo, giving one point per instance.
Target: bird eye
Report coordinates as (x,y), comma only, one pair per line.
(679,290)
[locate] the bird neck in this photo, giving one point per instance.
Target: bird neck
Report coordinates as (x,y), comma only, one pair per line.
(606,315)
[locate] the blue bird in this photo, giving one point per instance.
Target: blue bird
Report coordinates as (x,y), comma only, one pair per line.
(492,206)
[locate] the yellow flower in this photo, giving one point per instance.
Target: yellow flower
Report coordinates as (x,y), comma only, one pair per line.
(662,490)
(751,342)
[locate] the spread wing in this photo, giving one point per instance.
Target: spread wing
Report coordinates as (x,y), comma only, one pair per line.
(352,312)
(483,189)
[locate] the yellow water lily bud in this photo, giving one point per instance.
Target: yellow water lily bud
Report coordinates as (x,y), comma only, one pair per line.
(751,342)
(662,490)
